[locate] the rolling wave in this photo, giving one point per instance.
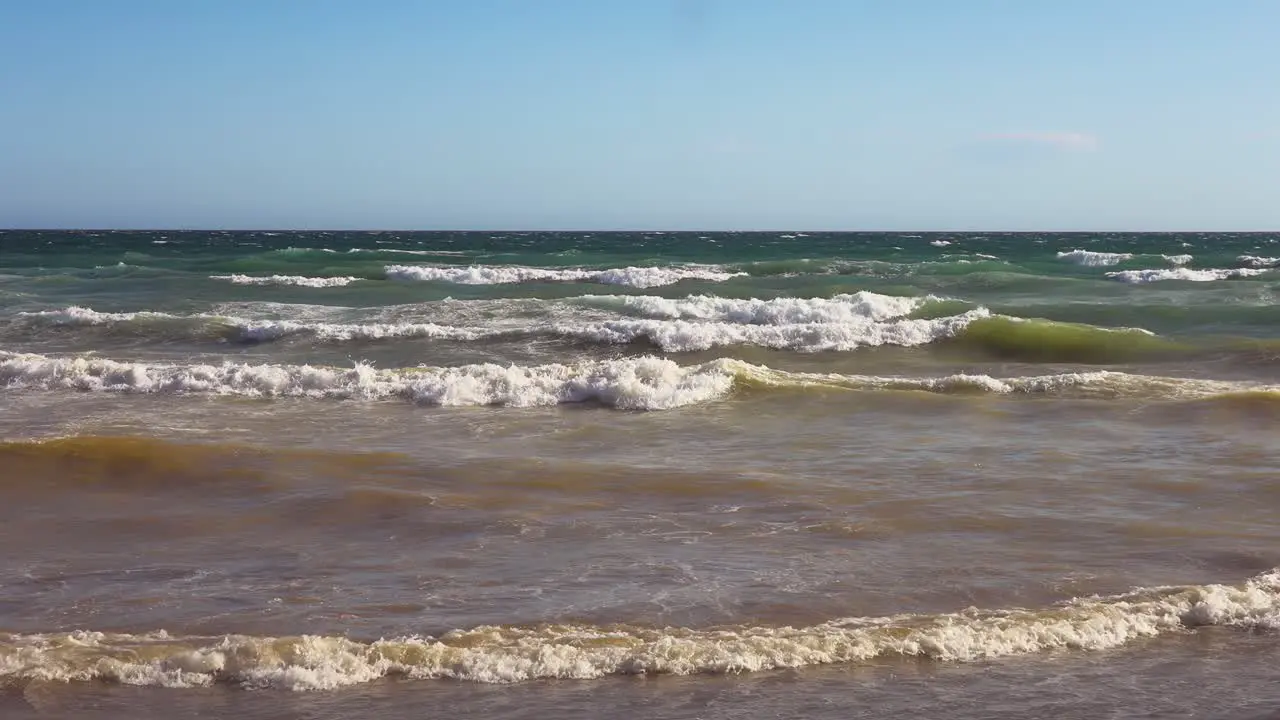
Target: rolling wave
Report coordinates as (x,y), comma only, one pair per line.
(777,311)
(1184,274)
(838,324)
(296,280)
(237,329)
(636,277)
(508,654)
(1089,258)
(642,383)
(1256,261)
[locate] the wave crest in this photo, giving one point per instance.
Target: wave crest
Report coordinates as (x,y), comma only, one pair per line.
(294,280)
(646,383)
(504,654)
(1089,258)
(1184,274)
(636,277)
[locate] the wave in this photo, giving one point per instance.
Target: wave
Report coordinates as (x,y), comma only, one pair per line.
(238,329)
(686,336)
(1184,274)
(642,383)
(778,311)
(508,654)
(844,322)
(1046,340)
(646,383)
(695,323)
(636,277)
(1256,261)
(1089,258)
(297,280)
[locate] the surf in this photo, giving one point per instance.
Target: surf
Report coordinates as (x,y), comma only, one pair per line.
(505,654)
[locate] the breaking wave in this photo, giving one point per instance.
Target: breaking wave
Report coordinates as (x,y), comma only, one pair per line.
(239,329)
(506,654)
(694,323)
(1185,274)
(636,277)
(1256,261)
(296,280)
(1089,258)
(777,311)
(646,383)
(642,383)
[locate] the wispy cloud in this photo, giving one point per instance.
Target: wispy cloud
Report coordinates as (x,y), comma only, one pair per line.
(1075,141)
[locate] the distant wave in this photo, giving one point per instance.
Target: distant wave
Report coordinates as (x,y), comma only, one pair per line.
(249,329)
(1090,258)
(1256,261)
(1158,275)
(298,280)
(637,277)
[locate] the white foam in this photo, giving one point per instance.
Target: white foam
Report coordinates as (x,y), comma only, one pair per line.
(637,383)
(295,280)
(844,322)
(1089,258)
(502,654)
(939,243)
(1178,260)
(778,311)
(1185,274)
(1258,261)
(637,277)
(646,383)
(77,315)
(259,330)
(685,336)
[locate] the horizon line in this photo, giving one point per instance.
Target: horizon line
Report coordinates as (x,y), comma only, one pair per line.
(616,230)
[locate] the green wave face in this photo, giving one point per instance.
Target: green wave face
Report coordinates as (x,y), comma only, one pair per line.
(1048,341)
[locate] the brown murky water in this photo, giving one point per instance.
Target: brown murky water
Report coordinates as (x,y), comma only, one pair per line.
(356,551)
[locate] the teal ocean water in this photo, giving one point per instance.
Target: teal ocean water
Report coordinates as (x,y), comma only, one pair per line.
(769,474)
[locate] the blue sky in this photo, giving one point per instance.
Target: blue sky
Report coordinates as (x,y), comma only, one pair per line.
(707,114)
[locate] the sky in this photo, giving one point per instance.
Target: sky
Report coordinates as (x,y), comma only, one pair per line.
(641,114)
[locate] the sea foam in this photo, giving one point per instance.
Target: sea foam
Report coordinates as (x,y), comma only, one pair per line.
(1257,261)
(509,654)
(687,336)
(1089,258)
(1185,274)
(640,383)
(636,277)
(856,307)
(843,322)
(646,383)
(295,280)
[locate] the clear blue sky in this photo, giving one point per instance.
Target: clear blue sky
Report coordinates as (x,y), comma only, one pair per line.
(709,114)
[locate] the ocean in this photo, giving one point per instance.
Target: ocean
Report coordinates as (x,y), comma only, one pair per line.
(676,475)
